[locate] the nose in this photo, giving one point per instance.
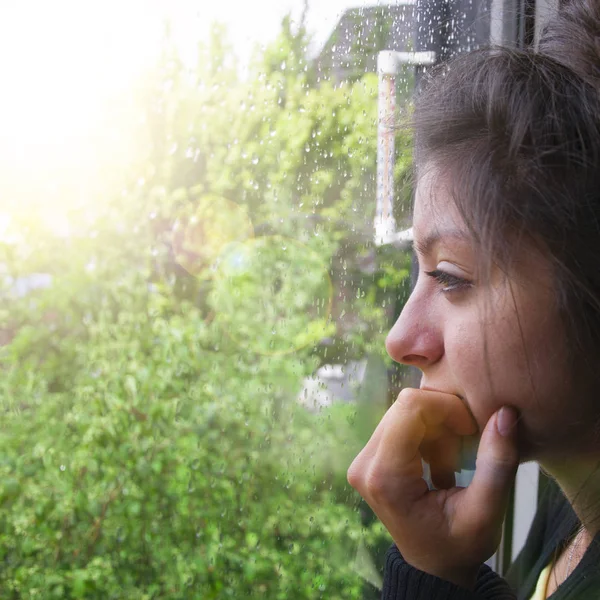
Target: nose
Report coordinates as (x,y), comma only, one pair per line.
(416,339)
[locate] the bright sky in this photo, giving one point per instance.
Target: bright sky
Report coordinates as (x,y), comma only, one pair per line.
(63,60)
(259,20)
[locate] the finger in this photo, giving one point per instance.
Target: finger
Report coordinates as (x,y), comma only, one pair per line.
(415,413)
(389,466)
(405,426)
(443,457)
(468,452)
(488,494)
(443,479)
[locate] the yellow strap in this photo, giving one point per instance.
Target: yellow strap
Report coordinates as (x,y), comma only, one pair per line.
(542,583)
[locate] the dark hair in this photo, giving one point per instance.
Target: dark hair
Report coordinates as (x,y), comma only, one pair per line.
(516,134)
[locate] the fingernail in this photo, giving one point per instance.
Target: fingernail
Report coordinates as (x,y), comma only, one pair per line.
(506,420)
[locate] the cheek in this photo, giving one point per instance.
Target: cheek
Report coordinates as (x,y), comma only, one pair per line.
(466,351)
(493,367)
(500,359)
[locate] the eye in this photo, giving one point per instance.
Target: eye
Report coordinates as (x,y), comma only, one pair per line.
(449,282)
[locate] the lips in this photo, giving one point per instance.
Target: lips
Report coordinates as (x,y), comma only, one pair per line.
(427,388)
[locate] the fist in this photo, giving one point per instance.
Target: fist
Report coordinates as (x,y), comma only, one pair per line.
(448,531)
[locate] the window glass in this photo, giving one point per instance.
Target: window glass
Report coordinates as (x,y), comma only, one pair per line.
(194,305)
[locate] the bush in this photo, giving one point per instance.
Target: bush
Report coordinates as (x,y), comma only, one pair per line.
(152,445)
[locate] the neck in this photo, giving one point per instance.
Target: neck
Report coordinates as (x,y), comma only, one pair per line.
(579,480)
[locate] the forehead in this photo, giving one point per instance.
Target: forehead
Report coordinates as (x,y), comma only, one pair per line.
(437,223)
(435,213)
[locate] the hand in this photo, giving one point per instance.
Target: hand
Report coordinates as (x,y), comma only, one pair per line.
(449,531)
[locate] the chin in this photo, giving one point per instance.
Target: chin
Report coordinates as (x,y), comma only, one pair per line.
(529,445)
(538,448)
(528,452)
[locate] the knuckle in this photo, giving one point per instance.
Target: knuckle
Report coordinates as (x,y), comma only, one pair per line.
(506,464)
(377,485)
(354,475)
(496,463)
(407,398)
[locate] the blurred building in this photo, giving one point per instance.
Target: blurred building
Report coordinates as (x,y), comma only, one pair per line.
(351,50)
(439,25)
(332,383)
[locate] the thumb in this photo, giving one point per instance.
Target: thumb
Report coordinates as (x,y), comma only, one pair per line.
(497,460)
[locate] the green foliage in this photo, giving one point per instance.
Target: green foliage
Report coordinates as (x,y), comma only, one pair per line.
(152,444)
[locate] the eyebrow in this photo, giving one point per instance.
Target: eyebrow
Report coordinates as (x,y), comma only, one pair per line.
(427,244)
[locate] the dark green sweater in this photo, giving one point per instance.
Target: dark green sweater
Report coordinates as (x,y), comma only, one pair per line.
(553,525)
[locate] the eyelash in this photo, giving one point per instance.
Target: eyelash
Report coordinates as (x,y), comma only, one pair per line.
(450,282)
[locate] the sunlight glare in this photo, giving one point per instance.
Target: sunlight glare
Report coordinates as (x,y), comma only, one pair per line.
(63,63)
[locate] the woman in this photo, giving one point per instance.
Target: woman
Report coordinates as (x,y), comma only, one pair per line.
(504,324)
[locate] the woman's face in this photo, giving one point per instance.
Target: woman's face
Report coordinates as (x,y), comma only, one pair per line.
(492,344)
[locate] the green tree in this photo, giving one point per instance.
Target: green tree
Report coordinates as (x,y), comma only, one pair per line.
(152,444)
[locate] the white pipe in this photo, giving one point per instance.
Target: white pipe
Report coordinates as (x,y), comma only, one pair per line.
(385,224)
(388,65)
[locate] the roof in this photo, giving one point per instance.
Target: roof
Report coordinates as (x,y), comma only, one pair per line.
(361,33)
